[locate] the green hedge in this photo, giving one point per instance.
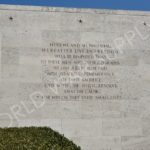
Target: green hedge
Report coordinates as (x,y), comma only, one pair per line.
(34,138)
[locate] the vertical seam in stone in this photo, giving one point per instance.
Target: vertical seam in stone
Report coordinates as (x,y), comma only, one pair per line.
(0,57)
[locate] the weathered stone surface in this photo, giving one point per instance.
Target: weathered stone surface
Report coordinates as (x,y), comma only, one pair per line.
(83,72)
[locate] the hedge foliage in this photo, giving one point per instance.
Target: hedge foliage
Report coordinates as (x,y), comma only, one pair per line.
(34,138)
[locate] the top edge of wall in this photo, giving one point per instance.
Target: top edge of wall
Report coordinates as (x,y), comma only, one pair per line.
(73,10)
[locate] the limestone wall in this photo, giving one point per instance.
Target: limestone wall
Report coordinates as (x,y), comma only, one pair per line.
(82,72)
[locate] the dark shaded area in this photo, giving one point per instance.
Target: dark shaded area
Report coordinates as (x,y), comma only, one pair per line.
(145,24)
(11,18)
(34,138)
(80,21)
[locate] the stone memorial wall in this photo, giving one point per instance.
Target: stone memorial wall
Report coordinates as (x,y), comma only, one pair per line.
(82,72)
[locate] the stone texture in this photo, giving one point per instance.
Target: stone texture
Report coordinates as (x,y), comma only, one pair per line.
(82,72)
